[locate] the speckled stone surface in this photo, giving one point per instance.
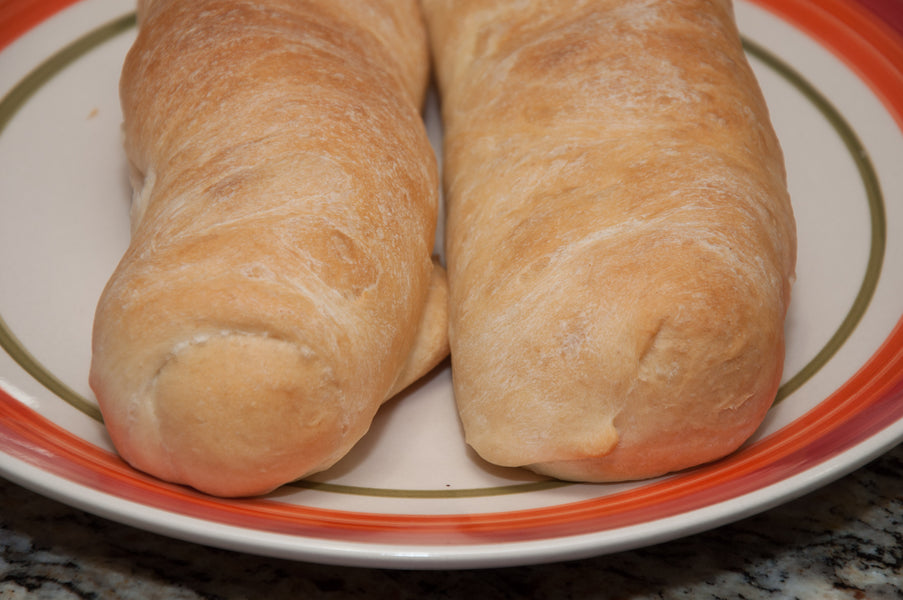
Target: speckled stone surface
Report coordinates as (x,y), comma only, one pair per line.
(842,541)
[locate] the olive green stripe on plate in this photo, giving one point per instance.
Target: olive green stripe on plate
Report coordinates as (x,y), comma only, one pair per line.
(9,106)
(51,67)
(441,493)
(876,215)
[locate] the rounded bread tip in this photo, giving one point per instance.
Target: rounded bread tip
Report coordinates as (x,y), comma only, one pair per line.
(242,414)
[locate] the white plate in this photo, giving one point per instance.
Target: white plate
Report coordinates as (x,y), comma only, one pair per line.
(411,495)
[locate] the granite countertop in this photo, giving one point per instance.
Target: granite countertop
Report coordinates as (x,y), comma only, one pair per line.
(842,541)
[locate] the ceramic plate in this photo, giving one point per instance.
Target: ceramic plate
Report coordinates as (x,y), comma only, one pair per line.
(411,495)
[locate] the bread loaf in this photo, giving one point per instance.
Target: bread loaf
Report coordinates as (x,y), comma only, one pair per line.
(279,285)
(620,242)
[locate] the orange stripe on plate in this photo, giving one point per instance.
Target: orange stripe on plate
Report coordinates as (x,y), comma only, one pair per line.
(19,16)
(857,36)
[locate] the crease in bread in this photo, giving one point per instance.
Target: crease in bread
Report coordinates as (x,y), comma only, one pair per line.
(620,242)
(279,284)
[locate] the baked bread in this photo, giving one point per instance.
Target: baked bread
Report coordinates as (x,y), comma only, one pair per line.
(620,242)
(279,285)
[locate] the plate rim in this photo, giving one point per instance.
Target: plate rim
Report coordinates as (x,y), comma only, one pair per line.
(461,555)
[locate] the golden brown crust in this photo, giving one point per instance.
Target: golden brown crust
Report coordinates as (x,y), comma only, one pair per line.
(280,269)
(619,239)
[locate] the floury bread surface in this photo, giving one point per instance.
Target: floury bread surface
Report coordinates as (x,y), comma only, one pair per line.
(620,242)
(279,284)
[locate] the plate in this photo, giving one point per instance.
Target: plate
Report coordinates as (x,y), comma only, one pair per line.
(411,495)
